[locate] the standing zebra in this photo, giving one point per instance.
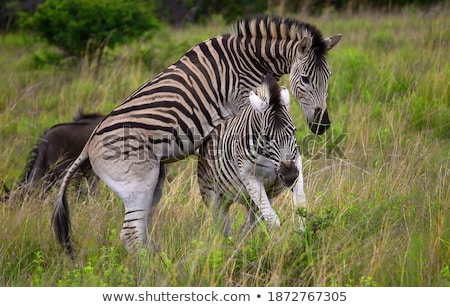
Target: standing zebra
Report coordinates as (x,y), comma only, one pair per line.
(252,158)
(170,116)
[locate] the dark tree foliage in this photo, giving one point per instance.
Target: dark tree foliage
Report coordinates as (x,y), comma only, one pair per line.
(232,10)
(179,12)
(317,7)
(86,27)
(9,11)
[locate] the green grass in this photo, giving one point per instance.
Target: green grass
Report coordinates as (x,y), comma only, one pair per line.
(378,208)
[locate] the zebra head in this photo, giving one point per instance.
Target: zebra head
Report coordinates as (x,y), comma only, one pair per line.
(276,140)
(309,78)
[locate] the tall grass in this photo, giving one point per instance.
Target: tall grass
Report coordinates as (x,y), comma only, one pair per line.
(377,184)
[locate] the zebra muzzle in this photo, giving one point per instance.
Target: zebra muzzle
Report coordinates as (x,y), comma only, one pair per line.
(321,122)
(288,172)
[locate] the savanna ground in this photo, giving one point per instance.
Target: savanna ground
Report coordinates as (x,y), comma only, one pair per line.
(377,183)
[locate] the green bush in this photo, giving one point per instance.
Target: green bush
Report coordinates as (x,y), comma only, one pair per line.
(84,27)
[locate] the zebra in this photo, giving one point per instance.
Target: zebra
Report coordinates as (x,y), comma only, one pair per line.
(169,116)
(252,158)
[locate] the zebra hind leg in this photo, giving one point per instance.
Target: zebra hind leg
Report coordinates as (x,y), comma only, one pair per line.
(221,208)
(140,189)
(139,208)
(251,219)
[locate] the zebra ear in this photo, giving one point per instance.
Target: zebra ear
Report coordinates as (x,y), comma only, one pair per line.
(285,97)
(305,44)
(256,102)
(330,42)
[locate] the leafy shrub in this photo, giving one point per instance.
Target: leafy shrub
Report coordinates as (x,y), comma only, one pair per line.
(84,27)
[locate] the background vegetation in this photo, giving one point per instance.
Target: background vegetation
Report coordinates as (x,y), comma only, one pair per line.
(83,27)
(179,12)
(378,207)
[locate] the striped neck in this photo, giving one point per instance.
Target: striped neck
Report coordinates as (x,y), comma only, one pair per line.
(273,41)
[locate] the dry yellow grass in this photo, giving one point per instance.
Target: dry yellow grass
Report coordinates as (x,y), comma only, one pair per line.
(378,207)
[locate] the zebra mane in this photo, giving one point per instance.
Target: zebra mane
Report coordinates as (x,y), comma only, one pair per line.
(281,28)
(81,115)
(271,85)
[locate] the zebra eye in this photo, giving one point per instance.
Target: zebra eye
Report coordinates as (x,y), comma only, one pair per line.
(305,79)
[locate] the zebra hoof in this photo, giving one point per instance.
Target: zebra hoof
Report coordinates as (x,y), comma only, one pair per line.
(273,222)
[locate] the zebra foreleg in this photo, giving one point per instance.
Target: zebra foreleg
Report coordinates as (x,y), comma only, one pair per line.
(258,194)
(299,194)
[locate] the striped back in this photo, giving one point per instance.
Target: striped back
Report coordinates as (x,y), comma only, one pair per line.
(169,116)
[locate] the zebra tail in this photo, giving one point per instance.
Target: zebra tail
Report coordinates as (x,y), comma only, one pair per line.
(34,169)
(7,192)
(61,218)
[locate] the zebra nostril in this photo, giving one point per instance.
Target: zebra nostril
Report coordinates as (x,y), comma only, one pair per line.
(321,122)
(288,172)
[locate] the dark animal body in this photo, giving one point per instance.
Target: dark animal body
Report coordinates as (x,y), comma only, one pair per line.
(56,149)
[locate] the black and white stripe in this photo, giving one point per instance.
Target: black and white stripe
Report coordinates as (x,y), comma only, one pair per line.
(252,157)
(170,116)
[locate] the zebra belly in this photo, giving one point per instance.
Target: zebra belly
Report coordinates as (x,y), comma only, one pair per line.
(134,145)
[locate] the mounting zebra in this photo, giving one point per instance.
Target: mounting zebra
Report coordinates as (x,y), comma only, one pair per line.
(251,158)
(170,116)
